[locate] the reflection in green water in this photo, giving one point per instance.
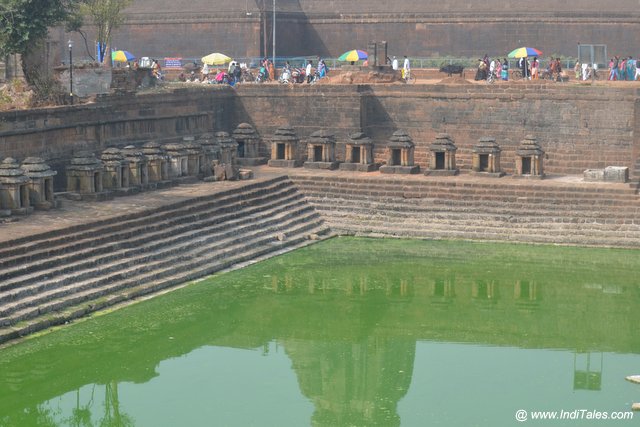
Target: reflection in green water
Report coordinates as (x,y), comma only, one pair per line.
(349,332)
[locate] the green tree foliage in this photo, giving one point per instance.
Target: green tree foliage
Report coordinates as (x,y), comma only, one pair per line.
(106,15)
(23,23)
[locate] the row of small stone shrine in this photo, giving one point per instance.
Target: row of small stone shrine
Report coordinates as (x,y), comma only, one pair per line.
(399,154)
(131,169)
(217,157)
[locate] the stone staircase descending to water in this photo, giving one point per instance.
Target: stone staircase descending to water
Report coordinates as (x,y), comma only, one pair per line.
(502,209)
(54,277)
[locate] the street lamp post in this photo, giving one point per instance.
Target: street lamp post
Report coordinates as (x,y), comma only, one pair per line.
(70,44)
(274,33)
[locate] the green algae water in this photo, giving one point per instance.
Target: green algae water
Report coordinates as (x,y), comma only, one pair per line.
(353,332)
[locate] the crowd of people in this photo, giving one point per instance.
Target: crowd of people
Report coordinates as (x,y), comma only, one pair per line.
(623,68)
(530,69)
(237,72)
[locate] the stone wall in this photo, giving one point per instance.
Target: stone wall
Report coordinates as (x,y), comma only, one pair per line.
(192,29)
(86,81)
(579,127)
(113,121)
(307,109)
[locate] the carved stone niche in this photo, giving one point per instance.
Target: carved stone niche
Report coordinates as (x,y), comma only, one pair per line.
(321,151)
(248,146)
(486,158)
(157,164)
(284,148)
(195,156)
(116,171)
(178,160)
(359,154)
(85,178)
(14,189)
(41,195)
(442,158)
(137,166)
(529,159)
(400,155)
(224,168)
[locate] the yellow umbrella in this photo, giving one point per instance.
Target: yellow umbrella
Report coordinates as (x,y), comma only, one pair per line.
(216,59)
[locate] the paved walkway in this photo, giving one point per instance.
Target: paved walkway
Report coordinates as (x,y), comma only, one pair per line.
(73,213)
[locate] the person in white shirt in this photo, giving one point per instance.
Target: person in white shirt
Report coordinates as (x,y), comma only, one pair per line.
(406,67)
(394,63)
(308,72)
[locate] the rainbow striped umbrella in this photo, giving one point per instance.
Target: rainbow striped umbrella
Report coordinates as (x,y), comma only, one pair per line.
(524,52)
(353,55)
(122,56)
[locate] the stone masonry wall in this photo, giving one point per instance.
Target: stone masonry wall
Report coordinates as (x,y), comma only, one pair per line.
(192,29)
(306,108)
(579,127)
(113,121)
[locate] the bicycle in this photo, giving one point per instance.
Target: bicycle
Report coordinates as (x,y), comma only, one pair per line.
(408,77)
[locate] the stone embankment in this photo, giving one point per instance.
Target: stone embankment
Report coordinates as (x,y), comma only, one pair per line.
(53,277)
(549,211)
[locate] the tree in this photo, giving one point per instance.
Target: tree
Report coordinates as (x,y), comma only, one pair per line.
(106,16)
(24,23)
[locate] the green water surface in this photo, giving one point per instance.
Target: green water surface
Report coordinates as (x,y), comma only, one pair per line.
(352,332)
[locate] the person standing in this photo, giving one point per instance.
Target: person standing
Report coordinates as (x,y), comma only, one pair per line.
(205,72)
(272,71)
(613,74)
(406,67)
(534,68)
(308,71)
(631,68)
(505,70)
(394,63)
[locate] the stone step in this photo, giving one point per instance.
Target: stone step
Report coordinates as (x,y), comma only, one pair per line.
(170,260)
(391,184)
(61,236)
(88,303)
(73,264)
(503,214)
(486,195)
(411,206)
(545,224)
(479,232)
(460,222)
(137,236)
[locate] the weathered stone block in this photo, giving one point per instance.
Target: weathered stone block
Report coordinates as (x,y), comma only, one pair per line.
(593,175)
(245,174)
(616,174)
